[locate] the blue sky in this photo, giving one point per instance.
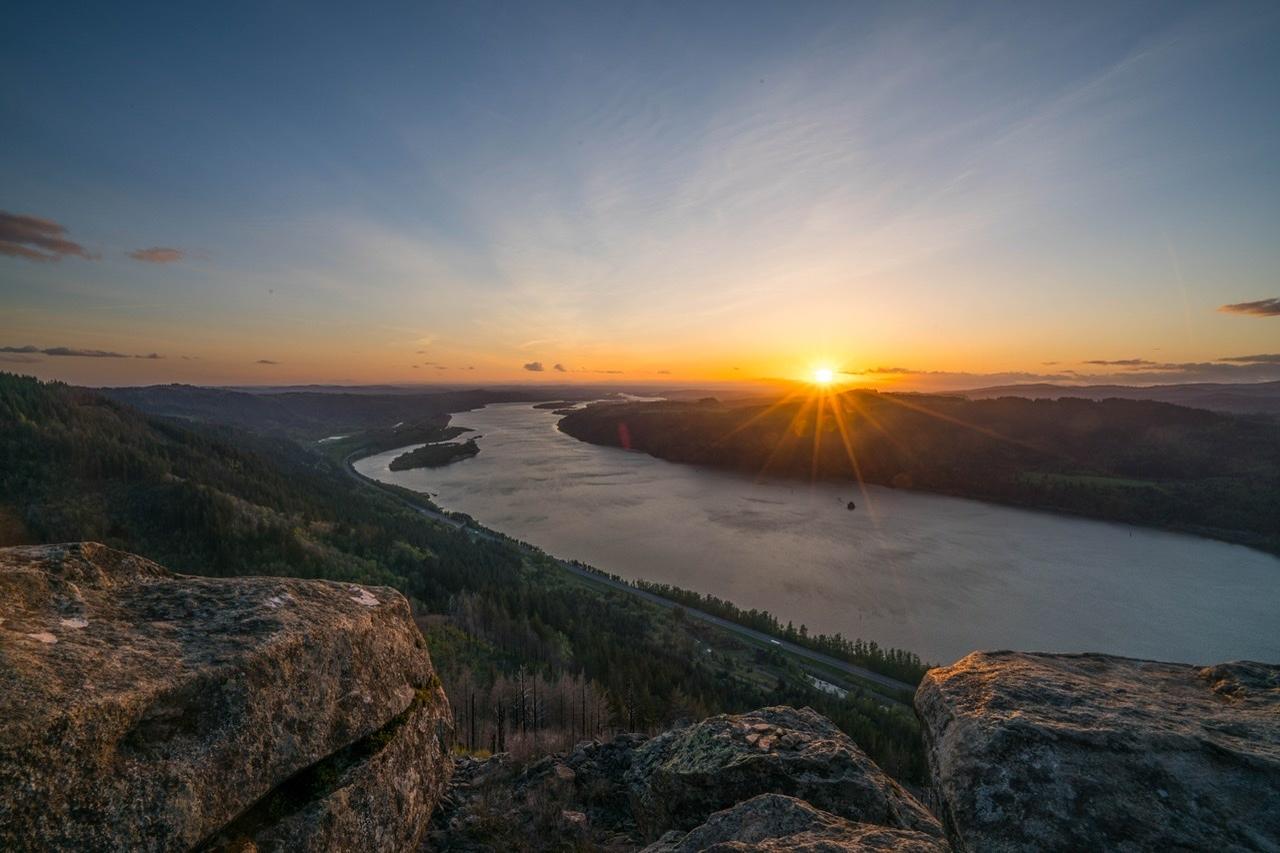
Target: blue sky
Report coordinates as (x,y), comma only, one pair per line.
(684,190)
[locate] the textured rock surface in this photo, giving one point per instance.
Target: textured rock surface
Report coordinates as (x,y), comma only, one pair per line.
(567,801)
(377,794)
(1090,752)
(772,822)
(680,777)
(144,710)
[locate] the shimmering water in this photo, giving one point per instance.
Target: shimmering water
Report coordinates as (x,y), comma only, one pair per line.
(940,576)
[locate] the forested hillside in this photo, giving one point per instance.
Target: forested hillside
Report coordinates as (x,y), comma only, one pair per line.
(533,657)
(305,413)
(1133,461)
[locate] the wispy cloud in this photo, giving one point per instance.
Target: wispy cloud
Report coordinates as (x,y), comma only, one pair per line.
(265,361)
(158,255)
(1264,358)
(878,371)
(74,352)
(1246,368)
(1260,308)
(1120,362)
(534,367)
(559,368)
(37,239)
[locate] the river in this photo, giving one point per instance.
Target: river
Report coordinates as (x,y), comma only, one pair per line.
(940,576)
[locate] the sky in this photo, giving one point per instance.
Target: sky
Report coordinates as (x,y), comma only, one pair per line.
(909,194)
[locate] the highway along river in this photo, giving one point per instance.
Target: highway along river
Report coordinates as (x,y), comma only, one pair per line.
(937,575)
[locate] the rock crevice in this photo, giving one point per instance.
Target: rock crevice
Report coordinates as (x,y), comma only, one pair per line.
(145,710)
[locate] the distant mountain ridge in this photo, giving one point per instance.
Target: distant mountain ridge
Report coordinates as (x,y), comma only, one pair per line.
(306,413)
(1237,398)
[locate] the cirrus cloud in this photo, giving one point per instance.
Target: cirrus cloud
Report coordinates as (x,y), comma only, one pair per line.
(1121,362)
(1262,358)
(878,370)
(75,352)
(1259,308)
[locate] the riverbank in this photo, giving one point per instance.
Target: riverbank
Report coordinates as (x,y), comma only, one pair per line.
(1130,462)
(938,575)
(825,665)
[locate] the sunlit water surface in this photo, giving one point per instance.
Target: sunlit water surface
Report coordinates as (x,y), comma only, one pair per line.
(940,576)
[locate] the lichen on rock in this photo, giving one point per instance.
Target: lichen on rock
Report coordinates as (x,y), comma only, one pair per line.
(168,705)
(773,823)
(683,775)
(1092,752)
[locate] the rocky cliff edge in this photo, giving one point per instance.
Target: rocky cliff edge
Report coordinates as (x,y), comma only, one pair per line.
(145,710)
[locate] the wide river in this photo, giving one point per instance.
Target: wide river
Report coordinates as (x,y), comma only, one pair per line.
(937,575)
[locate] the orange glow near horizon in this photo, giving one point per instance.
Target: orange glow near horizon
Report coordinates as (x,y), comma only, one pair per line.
(367,358)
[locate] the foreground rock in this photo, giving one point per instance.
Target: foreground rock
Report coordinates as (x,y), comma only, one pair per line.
(618,794)
(1089,752)
(773,823)
(144,710)
(680,777)
(567,801)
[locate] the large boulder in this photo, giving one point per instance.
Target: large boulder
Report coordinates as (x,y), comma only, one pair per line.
(1090,752)
(145,710)
(773,823)
(683,775)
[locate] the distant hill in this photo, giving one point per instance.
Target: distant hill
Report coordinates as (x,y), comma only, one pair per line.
(1241,398)
(311,414)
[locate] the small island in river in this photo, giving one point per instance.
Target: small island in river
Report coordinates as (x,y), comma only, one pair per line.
(435,455)
(556,404)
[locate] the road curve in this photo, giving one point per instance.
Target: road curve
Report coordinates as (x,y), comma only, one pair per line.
(733,627)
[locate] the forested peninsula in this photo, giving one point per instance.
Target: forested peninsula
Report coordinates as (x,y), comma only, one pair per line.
(1131,461)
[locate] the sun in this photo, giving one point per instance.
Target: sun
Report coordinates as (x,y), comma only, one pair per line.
(823,376)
